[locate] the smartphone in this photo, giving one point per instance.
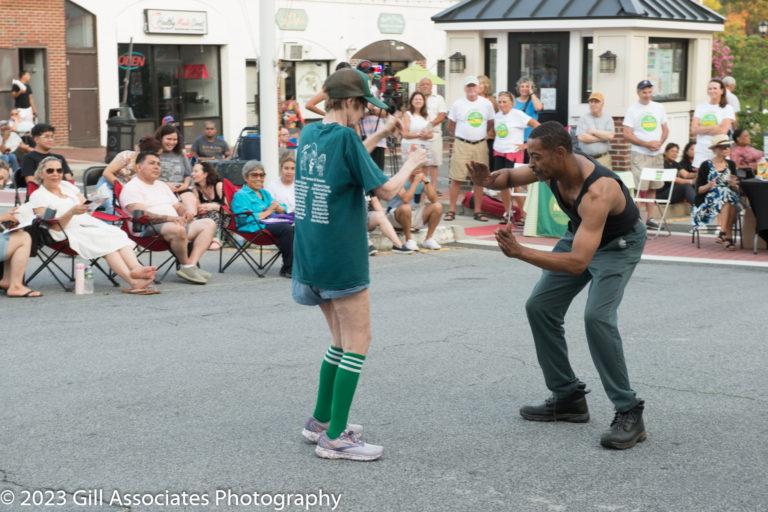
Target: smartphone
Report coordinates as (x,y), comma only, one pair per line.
(88,201)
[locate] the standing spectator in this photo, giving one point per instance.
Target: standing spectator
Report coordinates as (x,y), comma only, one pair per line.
(715,117)
(470,118)
(209,146)
(253,203)
(595,131)
(9,143)
(43,135)
(717,192)
(684,182)
(283,188)
(417,131)
(645,127)
(290,116)
(485,90)
(733,100)
(510,125)
(742,153)
(321,96)
(529,103)
(21,92)
(437,110)
(175,168)
(407,214)
(188,238)
(284,138)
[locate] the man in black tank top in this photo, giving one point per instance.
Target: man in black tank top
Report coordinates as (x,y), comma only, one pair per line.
(601,248)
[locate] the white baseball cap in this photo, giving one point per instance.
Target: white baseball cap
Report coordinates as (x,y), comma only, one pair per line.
(471,80)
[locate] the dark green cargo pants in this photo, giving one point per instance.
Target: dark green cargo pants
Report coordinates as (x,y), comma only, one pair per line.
(607,276)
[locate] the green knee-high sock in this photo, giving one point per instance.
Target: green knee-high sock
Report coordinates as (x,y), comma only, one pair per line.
(325,387)
(344,391)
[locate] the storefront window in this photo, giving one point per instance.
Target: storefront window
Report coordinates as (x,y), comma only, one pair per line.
(490,60)
(140,96)
(586,68)
(80,26)
(668,68)
(200,81)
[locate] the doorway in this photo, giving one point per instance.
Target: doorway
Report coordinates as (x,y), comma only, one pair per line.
(544,58)
(82,77)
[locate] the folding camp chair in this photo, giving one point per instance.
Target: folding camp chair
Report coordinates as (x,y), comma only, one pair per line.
(230,233)
(145,244)
(667,176)
(91,177)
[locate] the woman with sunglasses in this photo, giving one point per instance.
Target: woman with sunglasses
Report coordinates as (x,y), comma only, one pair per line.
(717,190)
(87,236)
(14,256)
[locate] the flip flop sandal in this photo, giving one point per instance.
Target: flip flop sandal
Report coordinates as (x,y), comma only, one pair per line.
(481,217)
(449,216)
(720,239)
(29,295)
(140,291)
(729,245)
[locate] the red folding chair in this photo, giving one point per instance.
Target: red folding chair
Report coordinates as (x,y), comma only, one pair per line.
(145,244)
(259,239)
(53,249)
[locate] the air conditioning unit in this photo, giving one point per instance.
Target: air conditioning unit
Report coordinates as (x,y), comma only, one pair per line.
(293,51)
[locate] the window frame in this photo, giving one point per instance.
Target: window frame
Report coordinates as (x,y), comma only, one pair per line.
(682,94)
(587,64)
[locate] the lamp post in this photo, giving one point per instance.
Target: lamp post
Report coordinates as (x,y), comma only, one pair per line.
(763,28)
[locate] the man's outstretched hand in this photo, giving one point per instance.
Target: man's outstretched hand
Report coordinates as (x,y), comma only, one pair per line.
(480,174)
(507,242)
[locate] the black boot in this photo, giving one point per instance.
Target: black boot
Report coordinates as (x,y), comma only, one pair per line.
(572,408)
(627,429)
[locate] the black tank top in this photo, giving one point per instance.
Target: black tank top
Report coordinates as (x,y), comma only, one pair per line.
(615,225)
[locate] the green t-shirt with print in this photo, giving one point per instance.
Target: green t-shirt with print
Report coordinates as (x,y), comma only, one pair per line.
(333,171)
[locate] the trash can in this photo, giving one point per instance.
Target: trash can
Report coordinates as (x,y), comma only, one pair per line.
(121,127)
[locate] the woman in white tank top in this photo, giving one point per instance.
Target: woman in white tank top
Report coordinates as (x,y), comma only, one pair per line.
(417,130)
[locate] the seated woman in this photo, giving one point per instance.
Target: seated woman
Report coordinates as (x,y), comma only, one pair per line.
(717,191)
(377,218)
(684,182)
(88,237)
(122,167)
(14,254)
(210,195)
(742,153)
(175,169)
(282,189)
(254,198)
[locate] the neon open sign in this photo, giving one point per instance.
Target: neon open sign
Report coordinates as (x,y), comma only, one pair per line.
(134,61)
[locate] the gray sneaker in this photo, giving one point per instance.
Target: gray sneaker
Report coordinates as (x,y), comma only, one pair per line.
(313,429)
(191,275)
(207,275)
(347,446)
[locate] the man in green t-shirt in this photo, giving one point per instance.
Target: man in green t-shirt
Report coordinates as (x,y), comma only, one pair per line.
(330,266)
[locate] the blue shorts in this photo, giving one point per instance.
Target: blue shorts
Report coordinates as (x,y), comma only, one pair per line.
(4,245)
(307,295)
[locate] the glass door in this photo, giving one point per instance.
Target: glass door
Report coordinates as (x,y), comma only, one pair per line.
(543,57)
(168,87)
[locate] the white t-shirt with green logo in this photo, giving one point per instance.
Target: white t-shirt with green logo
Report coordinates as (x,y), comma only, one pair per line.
(646,122)
(510,129)
(709,115)
(471,117)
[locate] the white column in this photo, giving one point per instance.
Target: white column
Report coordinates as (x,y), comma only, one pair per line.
(268,115)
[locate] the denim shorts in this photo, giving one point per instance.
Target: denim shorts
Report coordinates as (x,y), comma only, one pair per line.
(3,246)
(307,295)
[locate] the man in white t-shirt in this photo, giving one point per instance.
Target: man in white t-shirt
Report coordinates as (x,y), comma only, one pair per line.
(168,217)
(469,121)
(645,128)
(437,110)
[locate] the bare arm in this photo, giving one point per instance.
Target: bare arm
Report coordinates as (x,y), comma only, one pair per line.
(588,138)
(430,192)
(628,135)
(314,101)
(32,104)
(451,128)
(501,179)
(388,190)
(538,106)
(438,120)
(113,168)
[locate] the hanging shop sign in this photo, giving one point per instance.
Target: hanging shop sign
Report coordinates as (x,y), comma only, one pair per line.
(291,19)
(133,61)
(157,21)
(390,23)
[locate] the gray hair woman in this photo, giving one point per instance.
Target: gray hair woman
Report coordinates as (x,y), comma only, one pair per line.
(530,104)
(253,204)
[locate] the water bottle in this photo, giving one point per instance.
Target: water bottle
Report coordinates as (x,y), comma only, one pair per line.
(88,280)
(79,278)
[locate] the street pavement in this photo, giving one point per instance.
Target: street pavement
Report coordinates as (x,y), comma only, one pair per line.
(205,388)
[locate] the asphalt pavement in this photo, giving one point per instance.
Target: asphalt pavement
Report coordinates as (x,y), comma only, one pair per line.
(205,388)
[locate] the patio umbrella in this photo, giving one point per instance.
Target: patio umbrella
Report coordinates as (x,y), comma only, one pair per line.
(413,73)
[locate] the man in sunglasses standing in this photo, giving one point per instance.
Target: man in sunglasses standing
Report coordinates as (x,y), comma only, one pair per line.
(43,135)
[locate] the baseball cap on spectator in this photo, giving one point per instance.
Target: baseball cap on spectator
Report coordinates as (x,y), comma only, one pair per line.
(365,66)
(168,120)
(597,96)
(41,128)
(644,84)
(351,83)
(471,80)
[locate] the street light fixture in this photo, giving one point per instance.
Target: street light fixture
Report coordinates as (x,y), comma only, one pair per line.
(763,28)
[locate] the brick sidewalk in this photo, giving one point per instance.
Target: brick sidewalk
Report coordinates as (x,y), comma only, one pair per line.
(677,247)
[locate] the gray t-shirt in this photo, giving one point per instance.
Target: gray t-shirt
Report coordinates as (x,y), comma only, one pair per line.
(174,167)
(603,123)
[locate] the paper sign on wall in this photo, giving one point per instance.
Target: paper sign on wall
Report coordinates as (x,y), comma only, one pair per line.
(549,98)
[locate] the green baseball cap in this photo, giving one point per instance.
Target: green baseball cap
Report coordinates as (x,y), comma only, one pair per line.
(351,83)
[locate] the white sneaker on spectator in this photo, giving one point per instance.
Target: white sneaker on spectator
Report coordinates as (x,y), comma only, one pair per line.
(411,245)
(430,243)
(347,446)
